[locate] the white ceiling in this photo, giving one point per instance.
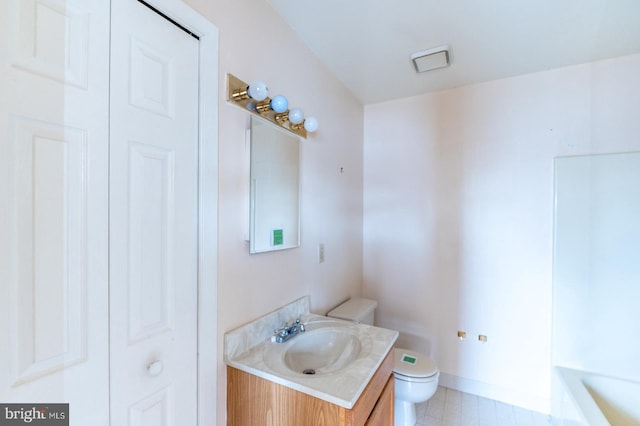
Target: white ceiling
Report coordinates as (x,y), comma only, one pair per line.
(368,43)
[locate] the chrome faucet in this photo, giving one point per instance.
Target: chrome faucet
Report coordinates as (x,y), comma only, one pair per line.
(285,333)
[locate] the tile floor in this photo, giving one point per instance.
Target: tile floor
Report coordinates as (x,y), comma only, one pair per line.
(450,407)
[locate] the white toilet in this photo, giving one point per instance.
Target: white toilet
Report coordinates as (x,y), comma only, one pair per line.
(415,374)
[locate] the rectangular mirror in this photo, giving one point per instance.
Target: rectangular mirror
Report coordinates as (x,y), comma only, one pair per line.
(274,192)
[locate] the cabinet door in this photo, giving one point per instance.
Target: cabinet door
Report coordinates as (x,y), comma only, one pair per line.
(54,82)
(382,414)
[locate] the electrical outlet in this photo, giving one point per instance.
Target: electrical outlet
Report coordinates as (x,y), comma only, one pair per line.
(482,338)
(321,253)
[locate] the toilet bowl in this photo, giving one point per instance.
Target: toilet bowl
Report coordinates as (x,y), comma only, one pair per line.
(415,381)
(415,374)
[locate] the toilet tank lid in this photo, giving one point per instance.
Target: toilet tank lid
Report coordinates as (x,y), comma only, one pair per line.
(413,364)
(354,309)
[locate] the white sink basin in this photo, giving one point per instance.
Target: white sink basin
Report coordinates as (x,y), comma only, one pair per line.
(326,347)
(322,351)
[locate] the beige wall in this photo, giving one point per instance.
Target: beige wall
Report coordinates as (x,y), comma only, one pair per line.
(458,218)
(256,44)
(458,202)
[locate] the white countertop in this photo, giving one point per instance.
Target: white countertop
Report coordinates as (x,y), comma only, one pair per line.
(343,387)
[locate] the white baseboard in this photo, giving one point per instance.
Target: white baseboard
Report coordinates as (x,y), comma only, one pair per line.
(498,393)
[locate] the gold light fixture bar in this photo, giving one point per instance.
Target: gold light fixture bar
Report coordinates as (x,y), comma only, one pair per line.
(237,94)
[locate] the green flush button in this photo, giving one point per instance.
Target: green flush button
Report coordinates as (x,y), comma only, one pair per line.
(278,238)
(408,359)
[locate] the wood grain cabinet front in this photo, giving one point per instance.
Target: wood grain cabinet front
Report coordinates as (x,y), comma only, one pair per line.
(382,414)
(254,401)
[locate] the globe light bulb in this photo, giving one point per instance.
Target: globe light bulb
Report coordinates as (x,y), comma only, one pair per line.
(311,124)
(258,90)
(296,116)
(279,104)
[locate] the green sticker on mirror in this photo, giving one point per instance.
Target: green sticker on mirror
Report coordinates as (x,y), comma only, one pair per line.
(409,359)
(278,238)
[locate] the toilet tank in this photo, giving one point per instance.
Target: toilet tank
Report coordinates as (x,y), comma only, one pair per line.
(357,310)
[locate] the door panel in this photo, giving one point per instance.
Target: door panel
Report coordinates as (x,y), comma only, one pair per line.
(151,284)
(152,79)
(153,410)
(154,219)
(48,233)
(50,38)
(53,204)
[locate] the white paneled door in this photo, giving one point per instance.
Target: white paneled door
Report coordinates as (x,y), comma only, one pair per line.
(107,191)
(54,82)
(153,219)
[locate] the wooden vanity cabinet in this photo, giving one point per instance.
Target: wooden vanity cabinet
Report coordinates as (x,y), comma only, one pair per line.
(254,401)
(382,413)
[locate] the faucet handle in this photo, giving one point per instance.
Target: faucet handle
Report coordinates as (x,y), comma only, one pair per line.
(299,325)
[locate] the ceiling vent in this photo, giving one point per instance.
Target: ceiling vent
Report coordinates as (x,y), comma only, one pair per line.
(431,59)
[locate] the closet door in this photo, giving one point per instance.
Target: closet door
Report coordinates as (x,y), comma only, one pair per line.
(54,62)
(153,219)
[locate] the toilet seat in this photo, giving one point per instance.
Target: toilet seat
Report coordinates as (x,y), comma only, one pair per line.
(412,366)
(400,378)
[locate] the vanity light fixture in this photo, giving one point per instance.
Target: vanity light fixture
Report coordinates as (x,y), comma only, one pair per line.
(255,98)
(431,59)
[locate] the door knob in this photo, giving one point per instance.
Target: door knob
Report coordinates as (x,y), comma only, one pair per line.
(155,368)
